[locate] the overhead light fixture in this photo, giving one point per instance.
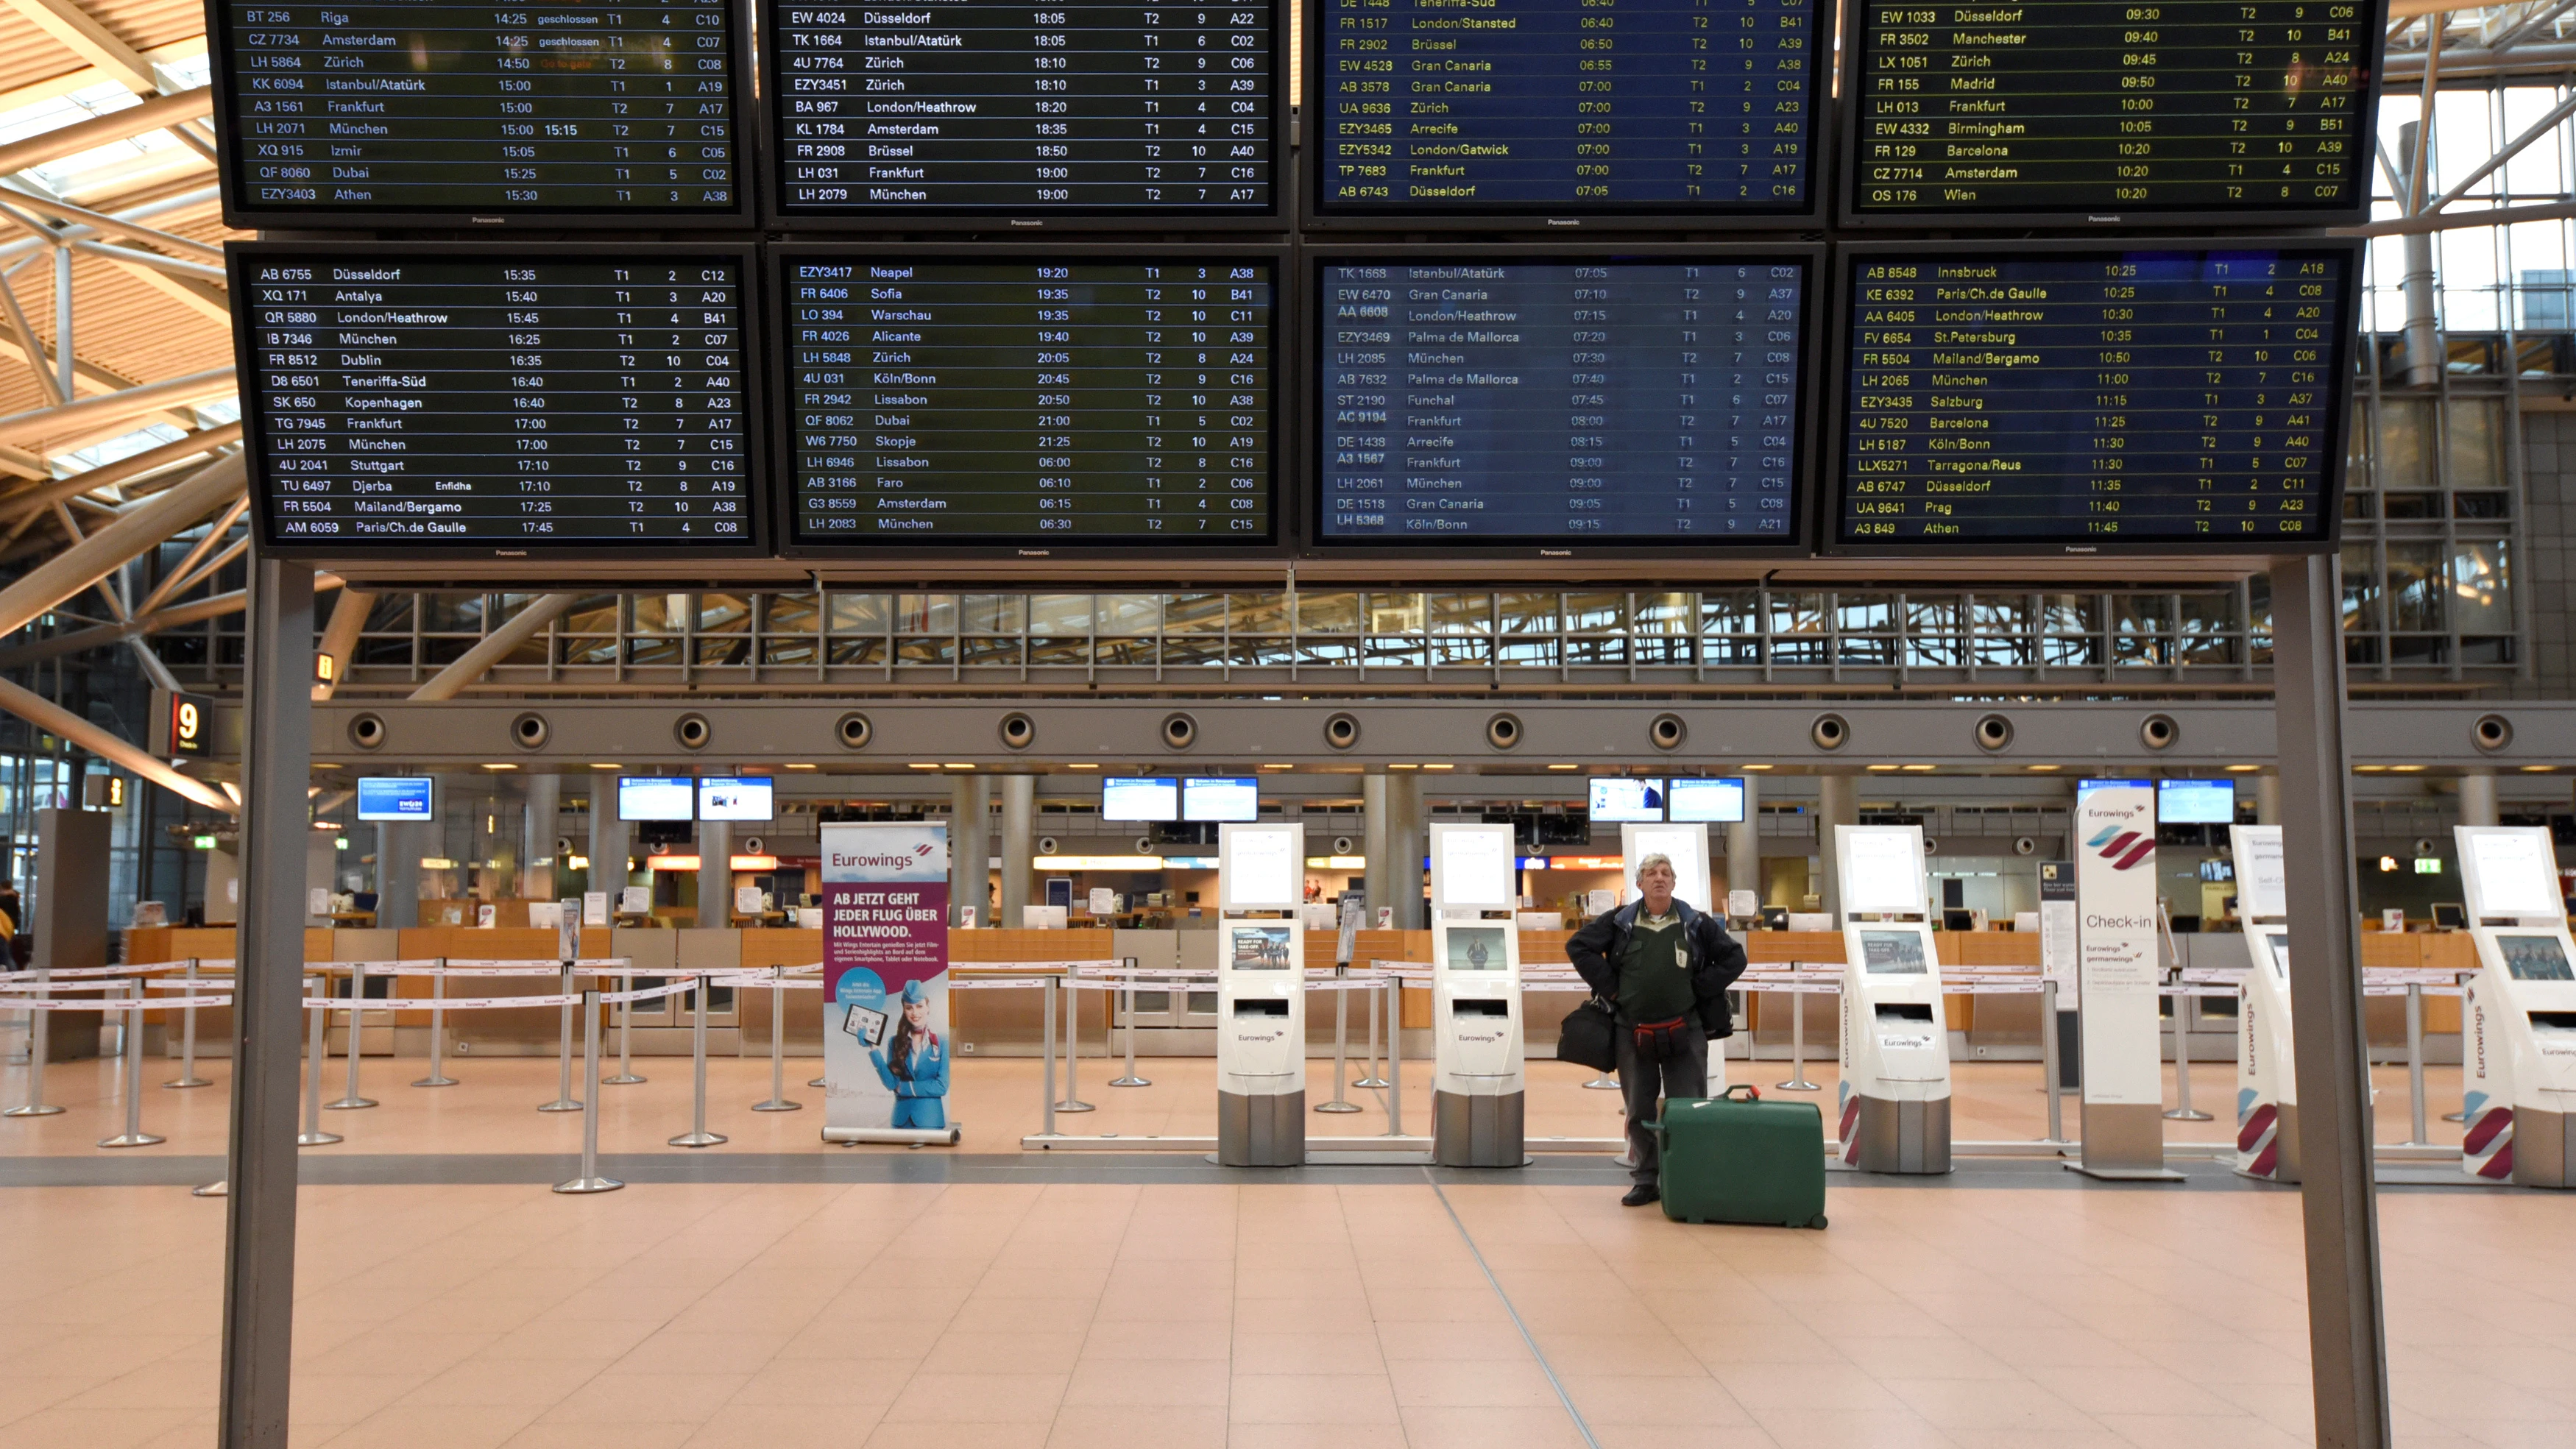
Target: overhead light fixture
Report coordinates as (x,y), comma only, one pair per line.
(2242,769)
(2538,769)
(1440,767)
(957,767)
(1881,769)
(500,765)
(1082,767)
(754,862)
(2387,865)
(919,766)
(1565,767)
(801,765)
(1755,769)
(605,765)
(2042,769)
(1919,768)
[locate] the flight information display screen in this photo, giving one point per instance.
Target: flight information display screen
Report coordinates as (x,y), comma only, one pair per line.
(378,110)
(1686,108)
(958,107)
(1606,399)
(2095,397)
(2226,108)
(1029,399)
(501,402)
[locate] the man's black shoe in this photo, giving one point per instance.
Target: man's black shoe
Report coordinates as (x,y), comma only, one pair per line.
(1642,1194)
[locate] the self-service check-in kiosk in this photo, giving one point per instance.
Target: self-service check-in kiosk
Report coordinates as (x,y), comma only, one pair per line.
(1476,1103)
(2518,1015)
(1261,996)
(1896,1042)
(2267,1081)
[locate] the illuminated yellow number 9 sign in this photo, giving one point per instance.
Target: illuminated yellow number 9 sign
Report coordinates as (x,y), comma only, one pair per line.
(187,724)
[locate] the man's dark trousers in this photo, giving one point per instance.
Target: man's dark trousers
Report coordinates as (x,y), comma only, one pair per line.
(1642,1083)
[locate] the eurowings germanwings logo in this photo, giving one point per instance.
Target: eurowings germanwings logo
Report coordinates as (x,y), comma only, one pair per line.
(2123,848)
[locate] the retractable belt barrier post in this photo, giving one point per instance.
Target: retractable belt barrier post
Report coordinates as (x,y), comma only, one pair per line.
(1374,1080)
(625,1035)
(1127,996)
(133,1135)
(2048,1048)
(590,1180)
(2414,1065)
(1797,1046)
(777,1048)
(1047,1049)
(39,1047)
(188,1038)
(2182,1110)
(320,1014)
(350,1101)
(438,1076)
(698,1135)
(1341,1048)
(1072,1050)
(564,1100)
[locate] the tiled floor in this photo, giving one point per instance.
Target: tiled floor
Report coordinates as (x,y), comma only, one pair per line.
(1251,1317)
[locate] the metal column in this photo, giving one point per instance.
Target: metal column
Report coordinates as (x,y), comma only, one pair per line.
(1743,848)
(715,873)
(1379,879)
(1019,845)
(2347,1325)
(259,1214)
(1837,803)
(970,849)
(537,837)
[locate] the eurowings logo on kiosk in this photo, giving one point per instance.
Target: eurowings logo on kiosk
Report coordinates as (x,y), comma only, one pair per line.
(2123,848)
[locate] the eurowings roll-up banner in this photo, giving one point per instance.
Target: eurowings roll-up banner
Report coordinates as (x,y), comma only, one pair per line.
(886,1038)
(2115,888)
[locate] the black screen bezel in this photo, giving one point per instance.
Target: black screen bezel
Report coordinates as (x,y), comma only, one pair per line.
(243,214)
(239,255)
(1319,215)
(1557,550)
(1830,540)
(1848,214)
(1284,375)
(777,215)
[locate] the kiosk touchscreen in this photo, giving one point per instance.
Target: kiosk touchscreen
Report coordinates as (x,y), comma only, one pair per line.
(2519,1012)
(1261,996)
(1478,1092)
(1896,1041)
(2267,1082)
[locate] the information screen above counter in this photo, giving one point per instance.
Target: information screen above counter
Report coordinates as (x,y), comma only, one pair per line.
(2080,398)
(382,114)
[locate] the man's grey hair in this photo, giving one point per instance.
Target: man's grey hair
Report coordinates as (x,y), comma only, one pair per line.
(1653,860)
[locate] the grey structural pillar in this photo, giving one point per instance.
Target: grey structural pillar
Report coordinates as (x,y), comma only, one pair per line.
(1407,841)
(2477,797)
(609,845)
(2347,1324)
(2424,360)
(715,873)
(970,847)
(1019,844)
(1837,803)
(398,853)
(268,1010)
(1744,846)
(1378,864)
(2267,797)
(537,837)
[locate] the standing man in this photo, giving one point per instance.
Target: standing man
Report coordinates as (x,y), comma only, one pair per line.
(1665,967)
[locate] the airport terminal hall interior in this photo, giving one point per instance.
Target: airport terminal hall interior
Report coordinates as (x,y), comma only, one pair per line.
(1296,724)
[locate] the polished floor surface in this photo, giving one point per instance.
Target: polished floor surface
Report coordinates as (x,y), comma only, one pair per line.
(1399,1311)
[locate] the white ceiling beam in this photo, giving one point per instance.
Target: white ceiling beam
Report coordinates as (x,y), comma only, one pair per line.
(79,32)
(71,418)
(157,114)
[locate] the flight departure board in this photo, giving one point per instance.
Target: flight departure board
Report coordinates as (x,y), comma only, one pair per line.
(1670,111)
(1555,399)
(2065,397)
(473,401)
(2103,111)
(1029,399)
(372,113)
(971,108)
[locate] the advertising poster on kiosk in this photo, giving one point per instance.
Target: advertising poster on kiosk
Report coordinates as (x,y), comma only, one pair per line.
(2115,885)
(886,1040)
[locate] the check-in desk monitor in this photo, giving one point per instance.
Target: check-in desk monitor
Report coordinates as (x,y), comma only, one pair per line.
(1479,1092)
(2518,1016)
(2267,1083)
(1261,996)
(1895,1093)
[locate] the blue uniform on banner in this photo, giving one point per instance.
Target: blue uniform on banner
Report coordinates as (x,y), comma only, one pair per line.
(921,1086)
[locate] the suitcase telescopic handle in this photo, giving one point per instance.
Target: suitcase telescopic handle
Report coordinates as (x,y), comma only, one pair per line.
(1751,1093)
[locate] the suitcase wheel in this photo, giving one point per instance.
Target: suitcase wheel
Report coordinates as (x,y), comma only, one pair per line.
(1817,1222)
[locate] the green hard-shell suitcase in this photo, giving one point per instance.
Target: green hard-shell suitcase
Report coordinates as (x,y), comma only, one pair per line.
(1739,1159)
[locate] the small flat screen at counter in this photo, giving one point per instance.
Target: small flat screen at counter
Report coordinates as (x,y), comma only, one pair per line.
(2112,110)
(1567,107)
(498,400)
(1037,401)
(1892,953)
(1561,401)
(367,109)
(1143,110)
(2094,398)
(2535,958)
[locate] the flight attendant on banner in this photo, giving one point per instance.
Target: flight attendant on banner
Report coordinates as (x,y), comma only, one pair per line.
(916,1068)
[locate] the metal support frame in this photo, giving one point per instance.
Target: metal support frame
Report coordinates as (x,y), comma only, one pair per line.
(1127,999)
(1072,1050)
(2182,1111)
(1341,1048)
(1797,1048)
(438,1076)
(564,1100)
(132,1071)
(2347,1323)
(350,1101)
(188,1038)
(259,1210)
(698,1135)
(778,1101)
(39,1047)
(625,1033)
(2048,1048)
(590,1179)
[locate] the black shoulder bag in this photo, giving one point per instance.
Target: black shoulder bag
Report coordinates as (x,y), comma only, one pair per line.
(1587,1036)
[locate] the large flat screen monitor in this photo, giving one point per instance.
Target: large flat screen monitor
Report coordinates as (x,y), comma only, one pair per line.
(1221,799)
(480,402)
(751,797)
(396,797)
(2110,115)
(1546,400)
(2195,802)
(657,798)
(1550,113)
(1619,799)
(1719,801)
(1029,400)
(1140,800)
(985,115)
(2072,398)
(443,114)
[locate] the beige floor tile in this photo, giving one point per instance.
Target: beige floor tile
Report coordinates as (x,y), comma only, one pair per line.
(1513,1383)
(459,1427)
(982,1434)
(1969,1407)
(1815,1428)
(738,1425)
(1498,1338)
(624,1397)
(862,1389)
(586,1436)
(1477,1427)
(1660,1436)
(1034,1352)
(1139,1427)
(92,1428)
(1388,1435)
(2195,1431)
(1692,1401)
(1307,1353)
(1152,1339)
(1138,1383)
(1311,1399)
(979,1398)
